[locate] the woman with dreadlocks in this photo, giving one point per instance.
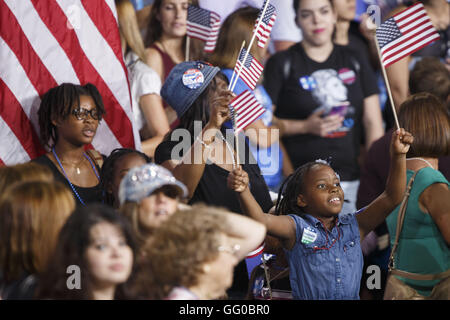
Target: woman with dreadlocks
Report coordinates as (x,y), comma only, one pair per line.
(323,246)
(69,115)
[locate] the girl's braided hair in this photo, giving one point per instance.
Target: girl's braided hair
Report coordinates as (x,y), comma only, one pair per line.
(293,186)
(57,104)
(108,168)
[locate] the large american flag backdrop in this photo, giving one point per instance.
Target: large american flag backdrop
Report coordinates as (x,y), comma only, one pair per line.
(405,33)
(46,43)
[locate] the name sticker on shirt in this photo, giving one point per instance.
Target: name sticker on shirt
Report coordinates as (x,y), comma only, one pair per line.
(193,79)
(309,236)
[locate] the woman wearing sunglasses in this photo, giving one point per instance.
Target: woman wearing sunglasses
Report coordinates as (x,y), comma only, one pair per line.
(69,116)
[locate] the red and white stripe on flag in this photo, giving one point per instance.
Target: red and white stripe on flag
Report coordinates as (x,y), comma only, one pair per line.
(246,109)
(46,43)
(211,41)
(204,25)
(405,33)
(250,71)
(257,251)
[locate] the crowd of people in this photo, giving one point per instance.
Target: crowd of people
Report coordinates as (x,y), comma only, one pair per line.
(318,181)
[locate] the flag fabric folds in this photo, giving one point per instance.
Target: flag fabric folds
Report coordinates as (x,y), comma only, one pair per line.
(204,25)
(250,70)
(244,110)
(405,33)
(265,27)
(46,43)
(257,251)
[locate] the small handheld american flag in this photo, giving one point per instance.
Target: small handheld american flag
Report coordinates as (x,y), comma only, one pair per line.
(251,69)
(405,33)
(265,26)
(244,110)
(204,25)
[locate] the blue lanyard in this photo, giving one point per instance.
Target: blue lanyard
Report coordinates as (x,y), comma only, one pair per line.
(67,178)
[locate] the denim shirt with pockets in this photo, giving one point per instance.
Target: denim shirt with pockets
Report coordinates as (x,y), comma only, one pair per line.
(332,274)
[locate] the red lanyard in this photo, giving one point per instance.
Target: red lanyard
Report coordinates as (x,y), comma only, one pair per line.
(326,234)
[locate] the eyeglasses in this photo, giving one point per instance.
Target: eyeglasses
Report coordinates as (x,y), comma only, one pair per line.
(230,249)
(82,114)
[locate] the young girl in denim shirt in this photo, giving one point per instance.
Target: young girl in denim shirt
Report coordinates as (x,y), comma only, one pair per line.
(323,246)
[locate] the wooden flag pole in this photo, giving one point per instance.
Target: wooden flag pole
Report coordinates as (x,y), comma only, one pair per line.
(188,42)
(386,81)
(236,138)
(250,45)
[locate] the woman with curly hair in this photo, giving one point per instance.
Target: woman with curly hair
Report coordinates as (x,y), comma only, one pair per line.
(199,249)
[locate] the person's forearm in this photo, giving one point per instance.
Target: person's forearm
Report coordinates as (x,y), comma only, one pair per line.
(373,130)
(372,120)
(288,167)
(263,137)
(373,133)
(396,182)
(248,232)
(398,76)
(149,146)
(251,207)
(377,211)
(292,127)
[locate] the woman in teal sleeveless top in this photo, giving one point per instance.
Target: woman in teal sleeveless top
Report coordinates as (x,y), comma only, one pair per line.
(422,248)
(424,243)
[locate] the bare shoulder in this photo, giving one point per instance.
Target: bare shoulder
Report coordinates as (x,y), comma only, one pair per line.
(154,60)
(435,193)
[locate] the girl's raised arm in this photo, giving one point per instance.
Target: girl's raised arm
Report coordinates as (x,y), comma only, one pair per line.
(381,207)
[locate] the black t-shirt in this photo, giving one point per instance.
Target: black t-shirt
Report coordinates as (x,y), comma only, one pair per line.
(212,190)
(88,195)
(345,79)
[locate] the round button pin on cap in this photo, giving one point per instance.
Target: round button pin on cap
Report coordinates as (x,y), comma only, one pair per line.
(193,78)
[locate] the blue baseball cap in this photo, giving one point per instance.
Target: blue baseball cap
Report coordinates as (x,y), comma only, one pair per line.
(141,182)
(185,83)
